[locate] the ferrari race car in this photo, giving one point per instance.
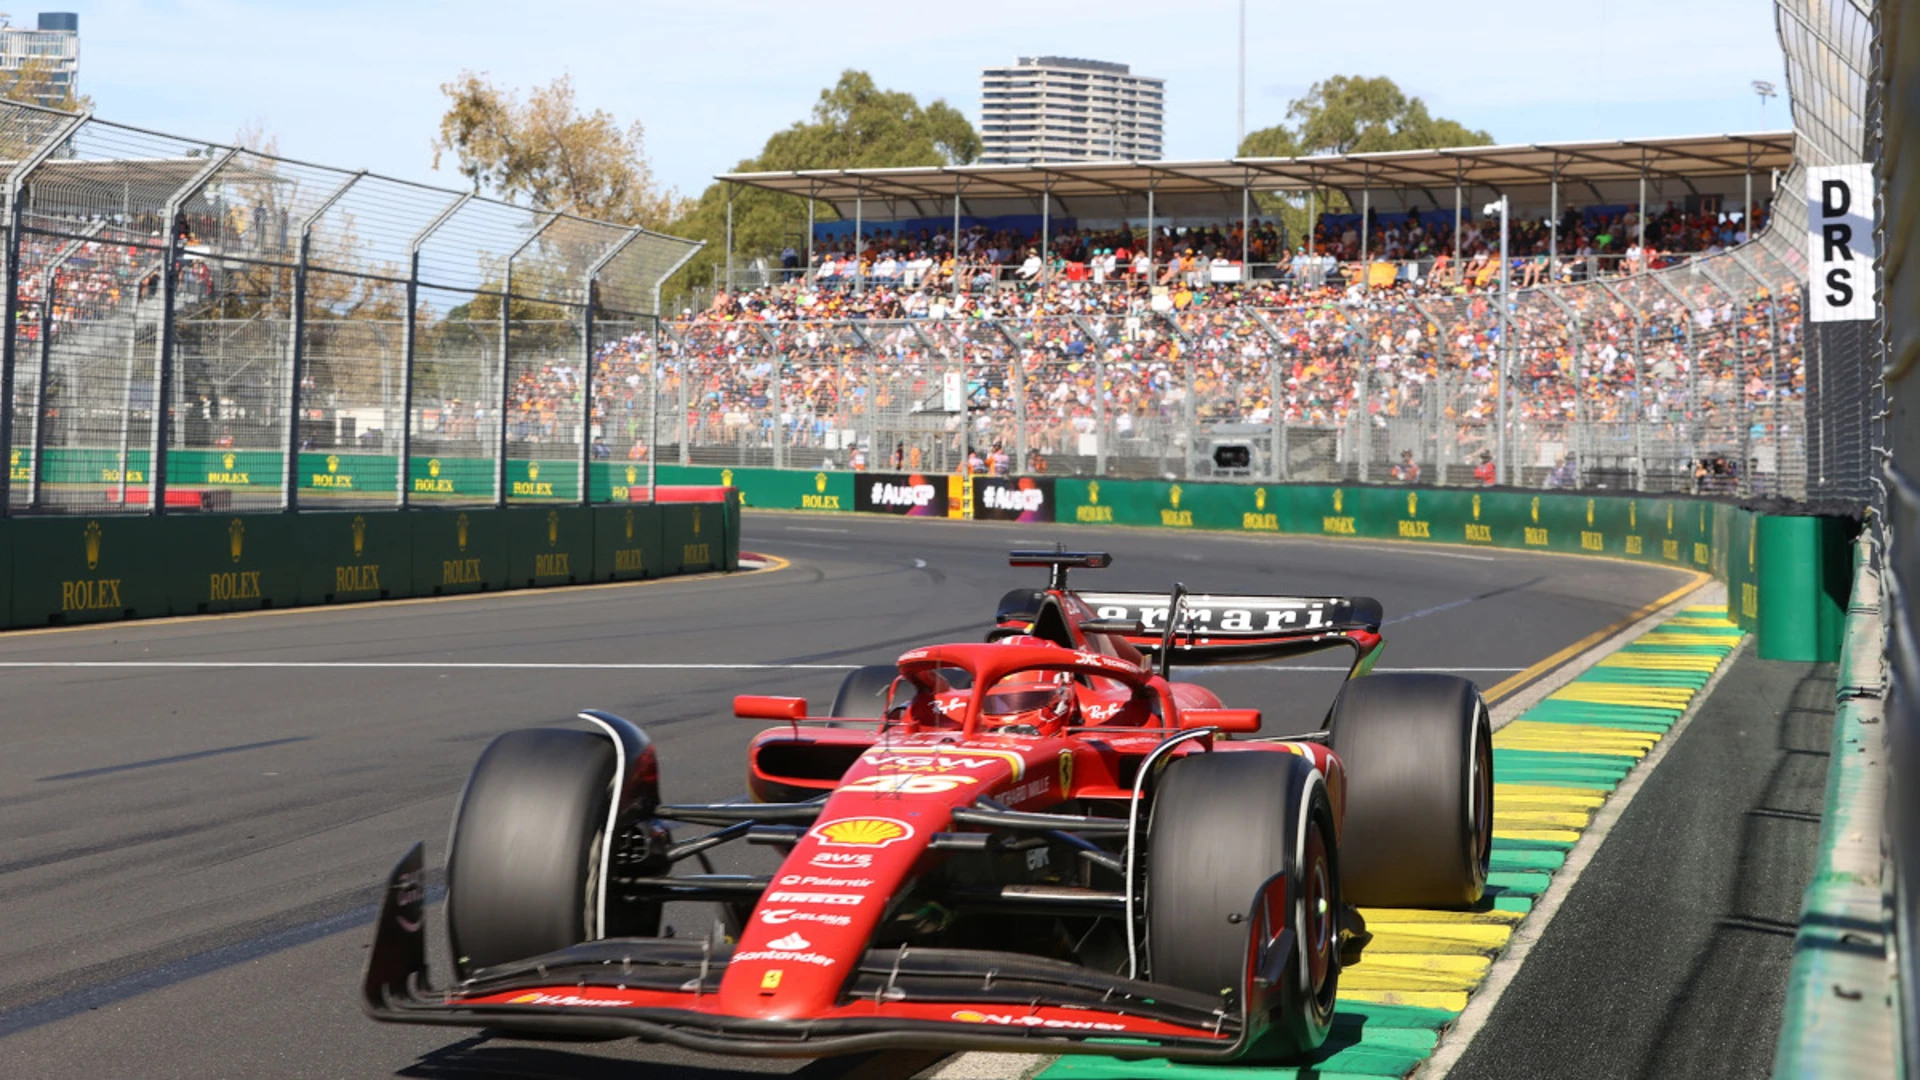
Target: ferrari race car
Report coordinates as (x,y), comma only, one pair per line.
(1041,843)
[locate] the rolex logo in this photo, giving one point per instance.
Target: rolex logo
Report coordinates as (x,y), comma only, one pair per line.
(226,462)
(1476,508)
(359,535)
(553,527)
(629,525)
(1413,504)
(1535,509)
(433,468)
(460,531)
(1589,511)
(333,463)
(726,477)
(236,536)
(1338,498)
(533,470)
(820,483)
(696,521)
(93,544)
(1173,496)
(633,476)
(1093,491)
(1259,498)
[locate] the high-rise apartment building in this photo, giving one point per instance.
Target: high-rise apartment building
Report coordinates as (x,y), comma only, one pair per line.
(1055,108)
(53,47)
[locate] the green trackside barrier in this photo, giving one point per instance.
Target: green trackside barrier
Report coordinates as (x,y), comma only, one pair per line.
(74,570)
(359,474)
(212,563)
(626,542)
(769,489)
(346,557)
(551,546)
(1803,587)
(429,478)
(1840,1019)
(613,482)
(458,551)
(693,537)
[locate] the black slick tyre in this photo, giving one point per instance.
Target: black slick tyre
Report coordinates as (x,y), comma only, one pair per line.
(864,693)
(1418,754)
(1222,824)
(523,871)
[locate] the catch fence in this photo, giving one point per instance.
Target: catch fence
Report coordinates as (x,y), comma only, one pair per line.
(272,333)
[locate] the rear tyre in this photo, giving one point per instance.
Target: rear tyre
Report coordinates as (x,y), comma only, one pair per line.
(1222,824)
(523,872)
(864,693)
(1418,753)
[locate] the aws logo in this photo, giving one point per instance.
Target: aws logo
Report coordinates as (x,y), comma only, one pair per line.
(1172,516)
(1338,523)
(1093,513)
(1260,520)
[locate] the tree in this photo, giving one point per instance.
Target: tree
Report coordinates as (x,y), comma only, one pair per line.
(854,125)
(1352,114)
(548,154)
(33,83)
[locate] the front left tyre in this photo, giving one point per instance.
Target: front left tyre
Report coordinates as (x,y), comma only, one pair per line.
(523,874)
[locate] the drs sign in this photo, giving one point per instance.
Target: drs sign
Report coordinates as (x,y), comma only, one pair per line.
(1840,242)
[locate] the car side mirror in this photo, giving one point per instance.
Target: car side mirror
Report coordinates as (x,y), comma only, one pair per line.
(763,707)
(1235,721)
(1111,626)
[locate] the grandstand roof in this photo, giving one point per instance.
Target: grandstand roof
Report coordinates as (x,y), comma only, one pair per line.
(1684,159)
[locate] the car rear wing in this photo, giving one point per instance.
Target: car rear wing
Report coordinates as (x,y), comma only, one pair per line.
(1225,629)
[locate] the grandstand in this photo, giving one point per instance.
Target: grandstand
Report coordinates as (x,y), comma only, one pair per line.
(1664,358)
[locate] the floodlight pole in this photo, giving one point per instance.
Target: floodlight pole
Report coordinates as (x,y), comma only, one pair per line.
(1241,140)
(727,286)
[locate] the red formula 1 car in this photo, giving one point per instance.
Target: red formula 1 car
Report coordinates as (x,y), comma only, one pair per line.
(1041,843)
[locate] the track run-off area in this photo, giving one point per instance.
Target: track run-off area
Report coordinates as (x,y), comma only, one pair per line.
(198,812)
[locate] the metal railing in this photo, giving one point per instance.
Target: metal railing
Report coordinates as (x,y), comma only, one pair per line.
(1683,379)
(193,315)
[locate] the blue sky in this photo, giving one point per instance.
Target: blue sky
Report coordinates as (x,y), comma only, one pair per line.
(355,84)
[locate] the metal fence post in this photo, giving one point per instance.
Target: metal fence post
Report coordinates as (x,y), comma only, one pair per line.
(500,483)
(587,360)
(47,285)
(1692,413)
(163,348)
(409,346)
(296,351)
(10,307)
(1573,372)
(1276,380)
(1638,397)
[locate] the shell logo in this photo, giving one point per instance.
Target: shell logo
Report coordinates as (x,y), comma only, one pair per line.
(1338,498)
(968,1016)
(862,832)
(1413,504)
(524,999)
(1259,498)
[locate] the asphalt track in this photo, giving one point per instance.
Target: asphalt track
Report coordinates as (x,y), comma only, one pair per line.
(194,819)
